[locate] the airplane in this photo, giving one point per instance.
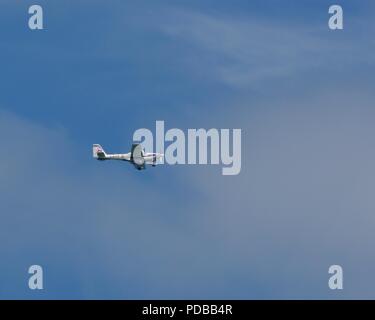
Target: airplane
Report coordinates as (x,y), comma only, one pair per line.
(137,156)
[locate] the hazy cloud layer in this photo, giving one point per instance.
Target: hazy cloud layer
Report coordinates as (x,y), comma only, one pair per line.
(303,201)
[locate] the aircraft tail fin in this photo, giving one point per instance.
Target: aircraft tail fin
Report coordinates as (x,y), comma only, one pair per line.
(98,152)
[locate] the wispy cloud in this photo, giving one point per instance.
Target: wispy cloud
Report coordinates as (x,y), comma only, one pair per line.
(240,51)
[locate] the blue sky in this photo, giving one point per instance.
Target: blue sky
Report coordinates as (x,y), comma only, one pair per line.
(302,95)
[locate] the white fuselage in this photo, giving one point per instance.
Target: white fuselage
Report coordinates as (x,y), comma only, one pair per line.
(147,157)
(137,156)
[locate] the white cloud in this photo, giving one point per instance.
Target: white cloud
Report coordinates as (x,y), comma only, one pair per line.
(242,52)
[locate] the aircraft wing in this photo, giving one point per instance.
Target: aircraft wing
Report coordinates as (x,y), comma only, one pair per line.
(137,156)
(136,151)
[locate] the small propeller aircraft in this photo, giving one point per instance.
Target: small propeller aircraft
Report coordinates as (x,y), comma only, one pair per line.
(137,156)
